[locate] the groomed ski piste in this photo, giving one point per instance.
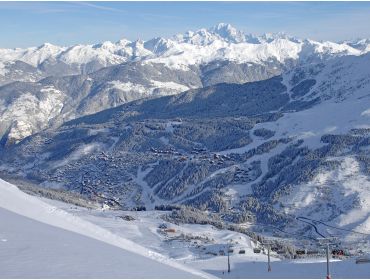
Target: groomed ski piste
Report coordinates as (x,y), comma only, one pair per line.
(42,238)
(38,240)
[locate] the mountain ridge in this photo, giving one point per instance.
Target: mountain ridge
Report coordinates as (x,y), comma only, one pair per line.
(109,53)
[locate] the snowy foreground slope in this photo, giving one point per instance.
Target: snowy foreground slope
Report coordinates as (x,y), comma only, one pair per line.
(38,240)
(42,238)
(36,250)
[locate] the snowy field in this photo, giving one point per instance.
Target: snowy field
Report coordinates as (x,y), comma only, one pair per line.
(41,238)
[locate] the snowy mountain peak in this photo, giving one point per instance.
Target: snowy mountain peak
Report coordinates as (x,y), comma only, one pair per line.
(48,46)
(123,42)
(158,45)
(359,44)
(228,33)
(270,37)
(105,45)
(224,26)
(225,32)
(222,31)
(46,49)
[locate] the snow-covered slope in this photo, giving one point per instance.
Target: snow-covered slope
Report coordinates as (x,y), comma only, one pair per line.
(39,240)
(344,189)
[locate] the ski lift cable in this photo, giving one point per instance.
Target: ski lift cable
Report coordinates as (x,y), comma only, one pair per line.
(300,237)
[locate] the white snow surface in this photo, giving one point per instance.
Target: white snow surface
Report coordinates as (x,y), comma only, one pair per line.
(335,118)
(170,87)
(39,240)
(128,86)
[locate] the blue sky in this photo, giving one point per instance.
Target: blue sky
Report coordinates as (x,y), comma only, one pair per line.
(25,24)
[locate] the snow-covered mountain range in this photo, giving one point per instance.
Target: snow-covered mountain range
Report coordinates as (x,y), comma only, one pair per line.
(259,129)
(47,85)
(221,42)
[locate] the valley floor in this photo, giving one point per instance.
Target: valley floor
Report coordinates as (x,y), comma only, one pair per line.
(41,238)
